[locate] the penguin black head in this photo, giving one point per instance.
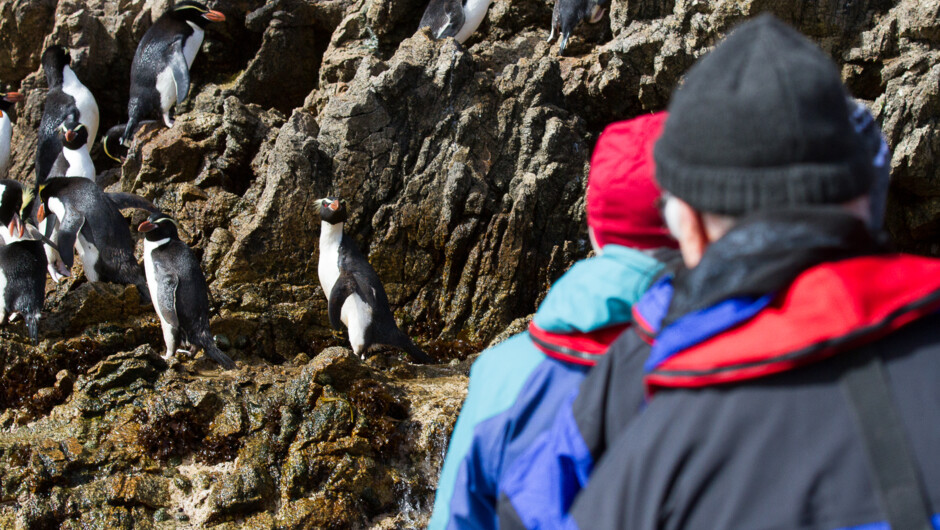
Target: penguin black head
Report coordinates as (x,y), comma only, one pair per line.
(195,12)
(8,99)
(332,210)
(73,134)
(11,206)
(158,226)
(111,142)
(54,60)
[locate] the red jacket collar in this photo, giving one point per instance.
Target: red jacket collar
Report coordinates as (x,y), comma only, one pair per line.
(576,347)
(828,309)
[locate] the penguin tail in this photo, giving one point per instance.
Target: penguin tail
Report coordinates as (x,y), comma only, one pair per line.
(205,341)
(417,354)
(32,326)
(129,131)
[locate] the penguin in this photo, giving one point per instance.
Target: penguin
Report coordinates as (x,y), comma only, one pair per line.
(11,205)
(22,260)
(74,138)
(454,18)
(178,289)
(67,97)
(355,295)
(23,280)
(160,71)
(567,14)
(87,220)
(7,100)
(111,143)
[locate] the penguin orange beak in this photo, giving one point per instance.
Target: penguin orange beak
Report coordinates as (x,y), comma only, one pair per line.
(13,97)
(214,16)
(70,136)
(41,214)
(16,226)
(146,226)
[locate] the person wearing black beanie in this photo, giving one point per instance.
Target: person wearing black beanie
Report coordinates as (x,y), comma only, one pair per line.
(791,381)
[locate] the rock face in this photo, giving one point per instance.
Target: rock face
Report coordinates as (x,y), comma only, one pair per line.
(464,169)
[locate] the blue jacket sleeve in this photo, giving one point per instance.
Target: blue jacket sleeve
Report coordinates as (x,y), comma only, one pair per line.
(496,379)
(541,484)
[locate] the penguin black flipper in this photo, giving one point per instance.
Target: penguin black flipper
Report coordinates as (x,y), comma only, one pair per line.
(68,234)
(179,68)
(345,285)
(444,17)
(126,201)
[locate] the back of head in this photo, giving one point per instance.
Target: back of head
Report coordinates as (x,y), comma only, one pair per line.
(54,59)
(622,191)
(762,121)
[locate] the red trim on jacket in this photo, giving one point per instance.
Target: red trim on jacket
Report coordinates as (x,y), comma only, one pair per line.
(828,309)
(576,347)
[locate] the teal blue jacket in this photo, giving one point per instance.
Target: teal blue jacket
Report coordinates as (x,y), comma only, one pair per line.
(515,388)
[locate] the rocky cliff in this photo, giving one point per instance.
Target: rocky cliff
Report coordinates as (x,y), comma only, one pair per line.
(464,169)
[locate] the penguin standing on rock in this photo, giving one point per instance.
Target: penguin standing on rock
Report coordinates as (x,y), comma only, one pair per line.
(160,71)
(67,97)
(178,289)
(569,13)
(7,100)
(454,18)
(22,261)
(87,220)
(354,292)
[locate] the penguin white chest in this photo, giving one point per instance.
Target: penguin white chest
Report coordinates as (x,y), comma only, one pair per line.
(357,315)
(473,13)
(80,164)
(88,253)
(85,102)
(6,135)
(328,265)
(166,87)
(3,296)
(193,43)
(153,284)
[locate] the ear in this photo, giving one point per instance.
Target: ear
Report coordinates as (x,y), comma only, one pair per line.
(689,229)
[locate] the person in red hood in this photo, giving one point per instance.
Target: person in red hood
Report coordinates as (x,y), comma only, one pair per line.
(516,387)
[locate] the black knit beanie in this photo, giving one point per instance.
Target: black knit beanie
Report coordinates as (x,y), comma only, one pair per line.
(762,121)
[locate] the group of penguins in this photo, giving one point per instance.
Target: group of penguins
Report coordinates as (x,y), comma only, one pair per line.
(67,211)
(460,18)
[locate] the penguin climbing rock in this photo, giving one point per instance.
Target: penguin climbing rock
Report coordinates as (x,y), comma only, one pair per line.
(7,99)
(354,292)
(178,289)
(88,221)
(160,71)
(111,143)
(454,18)
(67,97)
(74,138)
(569,13)
(23,280)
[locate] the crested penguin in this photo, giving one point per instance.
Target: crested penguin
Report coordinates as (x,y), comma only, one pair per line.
(160,71)
(74,138)
(454,18)
(7,99)
(355,295)
(567,14)
(87,220)
(23,281)
(67,97)
(22,260)
(11,214)
(178,289)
